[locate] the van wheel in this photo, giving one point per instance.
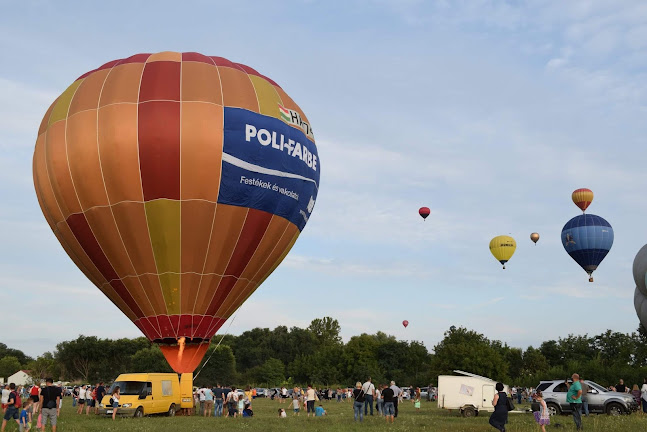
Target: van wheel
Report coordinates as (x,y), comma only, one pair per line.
(553,409)
(469,412)
(139,412)
(614,409)
(171,411)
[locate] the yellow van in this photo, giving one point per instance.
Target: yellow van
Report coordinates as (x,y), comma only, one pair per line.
(147,393)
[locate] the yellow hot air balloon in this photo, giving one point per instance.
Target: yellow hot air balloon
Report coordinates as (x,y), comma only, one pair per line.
(503,247)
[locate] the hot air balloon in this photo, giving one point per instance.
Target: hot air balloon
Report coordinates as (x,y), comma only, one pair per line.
(640,294)
(503,247)
(582,198)
(587,238)
(405,323)
(534,237)
(424,212)
(177,182)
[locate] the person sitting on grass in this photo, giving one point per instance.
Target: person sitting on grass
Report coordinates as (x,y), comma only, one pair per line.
(282,413)
(320,411)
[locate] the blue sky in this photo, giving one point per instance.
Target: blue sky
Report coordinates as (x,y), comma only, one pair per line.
(488,112)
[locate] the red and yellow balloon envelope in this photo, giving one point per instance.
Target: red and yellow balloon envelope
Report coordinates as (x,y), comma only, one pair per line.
(582,198)
(177,183)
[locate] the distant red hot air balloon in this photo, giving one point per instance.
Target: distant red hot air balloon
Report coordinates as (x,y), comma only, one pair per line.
(405,323)
(424,212)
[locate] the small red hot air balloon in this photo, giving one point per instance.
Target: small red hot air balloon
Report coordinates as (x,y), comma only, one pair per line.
(405,323)
(424,212)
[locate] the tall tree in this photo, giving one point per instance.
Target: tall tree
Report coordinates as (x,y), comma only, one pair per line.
(326,330)
(469,351)
(218,366)
(21,356)
(9,365)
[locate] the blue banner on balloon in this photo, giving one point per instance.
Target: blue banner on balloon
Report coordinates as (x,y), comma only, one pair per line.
(268,165)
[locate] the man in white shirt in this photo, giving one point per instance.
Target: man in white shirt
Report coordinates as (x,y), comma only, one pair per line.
(5,396)
(369,393)
(397,392)
(284,394)
(311,396)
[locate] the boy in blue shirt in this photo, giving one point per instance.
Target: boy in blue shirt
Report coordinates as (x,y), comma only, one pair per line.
(319,411)
(25,416)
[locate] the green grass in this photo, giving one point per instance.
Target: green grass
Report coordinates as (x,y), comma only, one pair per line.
(340,418)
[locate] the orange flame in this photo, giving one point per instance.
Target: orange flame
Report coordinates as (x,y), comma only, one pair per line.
(180,342)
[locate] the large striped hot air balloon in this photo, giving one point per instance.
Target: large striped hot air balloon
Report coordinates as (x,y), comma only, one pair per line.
(588,239)
(177,183)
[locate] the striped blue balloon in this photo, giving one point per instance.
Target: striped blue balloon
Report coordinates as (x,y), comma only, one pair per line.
(588,239)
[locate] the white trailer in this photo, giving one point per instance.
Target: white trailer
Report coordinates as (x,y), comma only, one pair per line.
(466,392)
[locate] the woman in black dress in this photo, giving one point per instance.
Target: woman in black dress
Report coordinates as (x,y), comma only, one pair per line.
(499,417)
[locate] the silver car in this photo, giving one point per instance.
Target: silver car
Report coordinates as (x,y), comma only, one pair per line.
(600,399)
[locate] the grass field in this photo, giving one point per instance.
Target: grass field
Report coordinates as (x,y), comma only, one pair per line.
(340,418)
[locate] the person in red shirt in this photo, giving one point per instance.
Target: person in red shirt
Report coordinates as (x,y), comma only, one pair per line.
(34,394)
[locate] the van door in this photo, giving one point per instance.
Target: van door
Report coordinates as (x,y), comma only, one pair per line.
(167,396)
(488,395)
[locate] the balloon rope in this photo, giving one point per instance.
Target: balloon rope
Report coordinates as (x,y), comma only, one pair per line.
(214,350)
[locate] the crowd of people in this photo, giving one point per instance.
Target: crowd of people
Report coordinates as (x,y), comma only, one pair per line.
(40,405)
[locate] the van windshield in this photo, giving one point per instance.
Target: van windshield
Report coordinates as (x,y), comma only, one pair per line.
(129,387)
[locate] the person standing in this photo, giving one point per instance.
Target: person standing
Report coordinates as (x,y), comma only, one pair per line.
(499,417)
(397,393)
(13,407)
(5,397)
(621,387)
(379,401)
(574,397)
(311,396)
(208,402)
(116,393)
(585,398)
(232,402)
(34,395)
(81,401)
(643,396)
(101,392)
(284,394)
(542,417)
(358,405)
(50,398)
(218,395)
(369,395)
(636,393)
(388,397)
(75,395)
(89,399)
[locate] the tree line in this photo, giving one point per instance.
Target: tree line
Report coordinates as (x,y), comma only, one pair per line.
(317,355)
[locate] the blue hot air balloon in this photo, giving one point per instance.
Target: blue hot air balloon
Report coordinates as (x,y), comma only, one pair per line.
(588,239)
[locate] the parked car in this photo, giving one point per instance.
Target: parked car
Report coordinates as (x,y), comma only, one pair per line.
(600,399)
(262,392)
